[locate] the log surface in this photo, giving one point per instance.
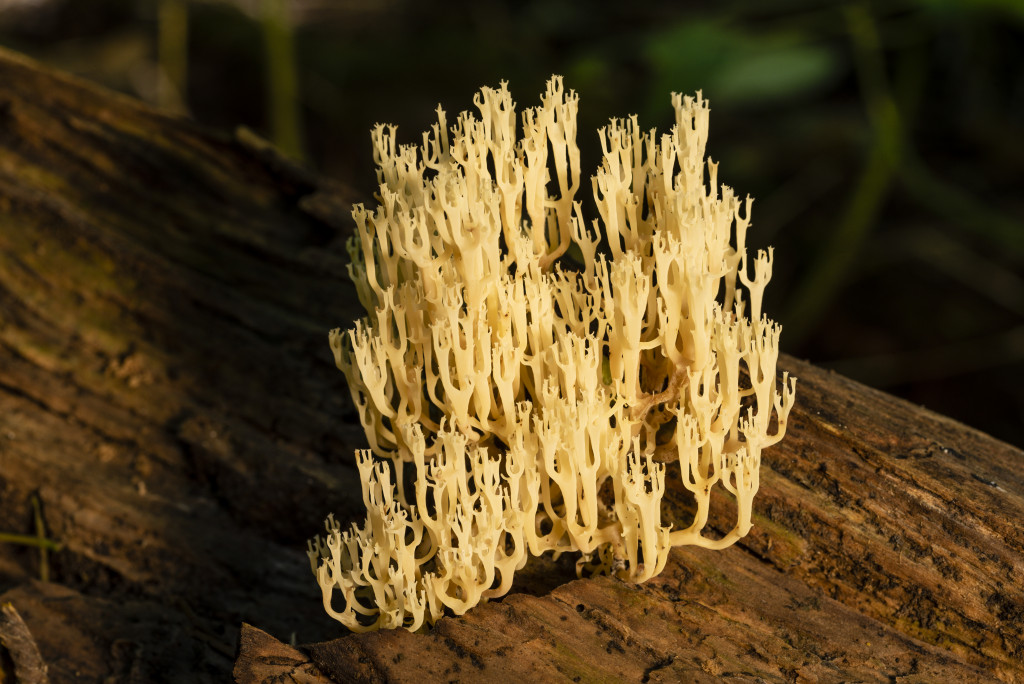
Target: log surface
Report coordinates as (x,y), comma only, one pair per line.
(166,387)
(168,396)
(887,546)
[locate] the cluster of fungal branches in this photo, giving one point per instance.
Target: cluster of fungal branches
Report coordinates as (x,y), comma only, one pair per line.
(516,405)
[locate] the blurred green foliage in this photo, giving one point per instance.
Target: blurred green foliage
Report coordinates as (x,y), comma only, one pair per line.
(743,66)
(884,141)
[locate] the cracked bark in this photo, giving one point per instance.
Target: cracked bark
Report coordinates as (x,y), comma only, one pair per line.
(166,390)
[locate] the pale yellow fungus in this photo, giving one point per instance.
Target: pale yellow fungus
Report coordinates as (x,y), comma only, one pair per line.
(506,388)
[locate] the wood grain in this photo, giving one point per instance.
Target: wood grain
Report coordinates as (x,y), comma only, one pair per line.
(887,547)
(166,387)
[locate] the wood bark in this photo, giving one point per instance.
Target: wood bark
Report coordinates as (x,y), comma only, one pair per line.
(166,389)
(168,396)
(887,546)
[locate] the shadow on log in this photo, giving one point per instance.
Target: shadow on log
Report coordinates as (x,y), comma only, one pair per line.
(167,393)
(166,388)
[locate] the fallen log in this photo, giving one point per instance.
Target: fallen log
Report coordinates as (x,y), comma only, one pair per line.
(887,546)
(167,394)
(166,390)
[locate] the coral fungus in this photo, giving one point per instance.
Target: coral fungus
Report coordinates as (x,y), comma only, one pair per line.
(516,402)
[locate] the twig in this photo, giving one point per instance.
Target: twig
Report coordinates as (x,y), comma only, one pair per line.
(44,558)
(29,667)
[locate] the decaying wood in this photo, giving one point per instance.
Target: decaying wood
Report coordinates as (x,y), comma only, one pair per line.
(165,383)
(167,391)
(19,655)
(262,658)
(887,545)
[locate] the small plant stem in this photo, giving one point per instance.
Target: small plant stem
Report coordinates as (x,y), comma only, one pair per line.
(44,559)
(282,78)
(841,250)
(29,540)
(172,54)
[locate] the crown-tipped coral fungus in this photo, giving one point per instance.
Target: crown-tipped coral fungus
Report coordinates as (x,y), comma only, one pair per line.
(515,404)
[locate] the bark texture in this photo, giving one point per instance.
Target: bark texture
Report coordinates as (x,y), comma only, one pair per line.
(21,655)
(166,389)
(887,547)
(168,397)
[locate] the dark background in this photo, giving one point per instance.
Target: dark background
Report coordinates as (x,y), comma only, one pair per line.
(884,141)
